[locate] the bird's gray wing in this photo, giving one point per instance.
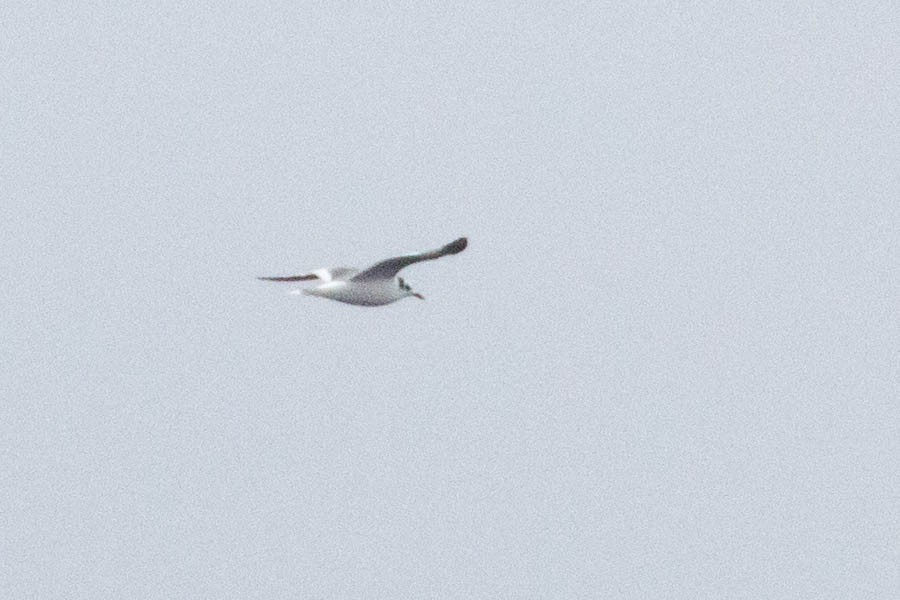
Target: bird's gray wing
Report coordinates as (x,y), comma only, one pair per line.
(388,268)
(306,277)
(332,274)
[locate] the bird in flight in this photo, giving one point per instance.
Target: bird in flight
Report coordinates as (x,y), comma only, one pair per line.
(374,286)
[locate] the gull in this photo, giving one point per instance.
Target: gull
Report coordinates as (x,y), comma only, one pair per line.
(374,286)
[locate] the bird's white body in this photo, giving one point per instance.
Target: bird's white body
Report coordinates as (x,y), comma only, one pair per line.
(374,286)
(374,293)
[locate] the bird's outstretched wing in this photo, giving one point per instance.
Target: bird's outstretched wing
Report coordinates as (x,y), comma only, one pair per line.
(388,268)
(332,274)
(306,277)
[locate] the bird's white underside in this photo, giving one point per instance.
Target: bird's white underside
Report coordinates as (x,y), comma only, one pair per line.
(374,293)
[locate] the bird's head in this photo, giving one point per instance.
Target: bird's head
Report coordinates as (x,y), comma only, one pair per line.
(407,291)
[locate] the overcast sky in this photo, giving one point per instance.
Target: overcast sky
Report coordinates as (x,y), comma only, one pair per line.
(667,366)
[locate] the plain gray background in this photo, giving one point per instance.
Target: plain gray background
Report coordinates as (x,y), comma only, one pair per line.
(666,367)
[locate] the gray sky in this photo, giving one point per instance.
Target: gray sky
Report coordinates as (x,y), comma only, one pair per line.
(668,365)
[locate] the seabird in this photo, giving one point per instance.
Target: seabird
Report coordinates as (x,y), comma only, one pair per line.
(374,286)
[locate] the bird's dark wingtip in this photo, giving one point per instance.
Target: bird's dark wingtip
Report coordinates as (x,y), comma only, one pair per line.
(456,246)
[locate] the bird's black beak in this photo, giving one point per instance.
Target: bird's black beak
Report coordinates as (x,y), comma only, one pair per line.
(419,296)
